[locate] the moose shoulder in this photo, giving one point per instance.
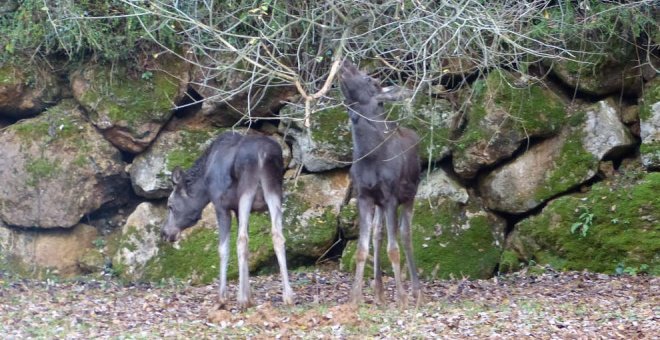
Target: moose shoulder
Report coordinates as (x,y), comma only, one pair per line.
(239,173)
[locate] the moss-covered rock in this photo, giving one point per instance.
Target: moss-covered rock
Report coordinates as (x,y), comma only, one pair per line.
(649,117)
(433,119)
(195,257)
(56,168)
(501,117)
(130,107)
(311,213)
(151,170)
(603,64)
(26,88)
(557,164)
(325,145)
(616,223)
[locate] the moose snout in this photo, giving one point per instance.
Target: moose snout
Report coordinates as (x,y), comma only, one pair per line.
(169,237)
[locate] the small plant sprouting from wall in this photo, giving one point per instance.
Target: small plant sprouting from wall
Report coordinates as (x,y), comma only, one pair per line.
(585,220)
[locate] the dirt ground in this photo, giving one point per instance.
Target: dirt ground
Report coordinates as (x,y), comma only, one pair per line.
(550,305)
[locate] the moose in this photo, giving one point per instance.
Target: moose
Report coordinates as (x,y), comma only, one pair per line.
(386,173)
(239,173)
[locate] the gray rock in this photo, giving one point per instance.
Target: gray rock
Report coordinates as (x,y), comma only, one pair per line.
(37,252)
(55,169)
(557,164)
(439,184)
(325,145)
(650,126)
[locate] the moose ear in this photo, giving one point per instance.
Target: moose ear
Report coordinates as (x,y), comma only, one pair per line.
(177,176)
(393,93)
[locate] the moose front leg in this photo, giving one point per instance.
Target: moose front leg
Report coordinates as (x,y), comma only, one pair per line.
(393,250)
(377,239)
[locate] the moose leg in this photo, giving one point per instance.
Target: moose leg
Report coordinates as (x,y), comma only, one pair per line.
(377,238)
(244,208)
(393,249)
(406,239)
(224,225)
(366,211)
(275,209)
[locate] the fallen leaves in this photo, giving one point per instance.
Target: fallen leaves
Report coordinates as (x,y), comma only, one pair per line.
(550,305)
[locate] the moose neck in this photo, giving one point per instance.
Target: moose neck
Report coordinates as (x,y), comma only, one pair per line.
(196,186)
(369,132)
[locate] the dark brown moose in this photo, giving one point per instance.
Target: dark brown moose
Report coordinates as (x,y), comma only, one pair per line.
(239,173)
(386,173)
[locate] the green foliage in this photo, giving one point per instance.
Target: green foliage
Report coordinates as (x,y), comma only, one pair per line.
(105,28)
(585,220)
(622,269)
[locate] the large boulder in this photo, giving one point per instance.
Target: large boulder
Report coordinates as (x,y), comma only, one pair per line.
(139,240)
(557,164)
(502,117)
(453,235)
(312,207)
(26,89)
(649,117)
(55,169)
(151,170)
(128,106)
(38,253)
(323,146)
(614,225)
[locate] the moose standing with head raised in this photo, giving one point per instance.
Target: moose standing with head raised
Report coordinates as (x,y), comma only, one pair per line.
(239,173)
(386,173)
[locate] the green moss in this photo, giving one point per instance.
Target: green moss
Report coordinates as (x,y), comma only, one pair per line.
(40,169)
(447,242)
(532,111)
(625,227)
(330,127)
(509,262)
(309,237)
(571,167)
(197,258)
(128,98)
(189,148)
(9,75)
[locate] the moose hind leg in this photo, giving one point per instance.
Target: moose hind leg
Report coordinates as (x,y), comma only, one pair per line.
(406,239)
(244,208)
(393,250)
(377,238)
(224,225)
(366,211)
(274,202)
